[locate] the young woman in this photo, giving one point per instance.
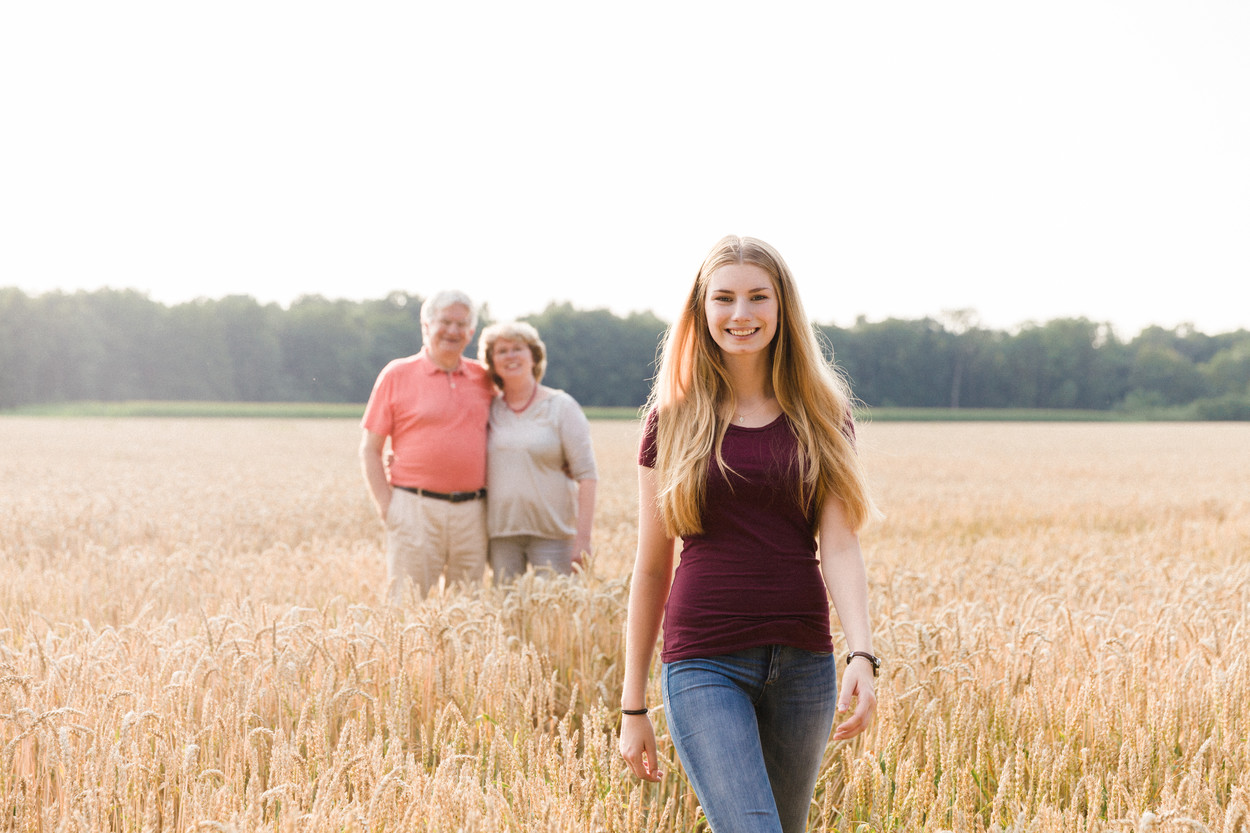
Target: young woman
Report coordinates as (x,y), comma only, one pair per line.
(748,456)
(540,465)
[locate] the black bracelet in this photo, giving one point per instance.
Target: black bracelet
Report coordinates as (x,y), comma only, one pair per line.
(643,710)
(876,662)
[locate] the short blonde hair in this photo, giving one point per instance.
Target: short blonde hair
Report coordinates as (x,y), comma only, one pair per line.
(512,331)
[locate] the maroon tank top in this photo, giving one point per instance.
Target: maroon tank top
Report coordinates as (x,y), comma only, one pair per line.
(752,577)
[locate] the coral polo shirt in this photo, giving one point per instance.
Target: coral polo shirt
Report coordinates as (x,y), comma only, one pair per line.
(436,420)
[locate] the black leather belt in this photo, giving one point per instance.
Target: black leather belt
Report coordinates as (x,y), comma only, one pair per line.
(452,497)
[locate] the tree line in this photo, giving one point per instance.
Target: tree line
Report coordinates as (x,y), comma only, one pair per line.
(119,345)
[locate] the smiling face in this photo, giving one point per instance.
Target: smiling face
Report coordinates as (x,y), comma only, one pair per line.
(447,334)
(741,308)
(512,360)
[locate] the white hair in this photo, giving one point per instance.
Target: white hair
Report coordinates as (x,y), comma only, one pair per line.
(444,298)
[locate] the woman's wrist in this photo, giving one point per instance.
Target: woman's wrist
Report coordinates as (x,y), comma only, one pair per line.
(867,656)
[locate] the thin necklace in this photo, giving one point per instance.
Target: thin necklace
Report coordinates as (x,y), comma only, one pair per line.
(528,402)
(742,417)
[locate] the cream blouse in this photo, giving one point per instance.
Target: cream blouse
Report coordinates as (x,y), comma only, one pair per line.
(528,491)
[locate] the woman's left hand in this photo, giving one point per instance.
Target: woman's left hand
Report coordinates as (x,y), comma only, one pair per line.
(581,547)
(857,685)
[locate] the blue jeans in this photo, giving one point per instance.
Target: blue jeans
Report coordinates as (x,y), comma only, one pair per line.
(751,729)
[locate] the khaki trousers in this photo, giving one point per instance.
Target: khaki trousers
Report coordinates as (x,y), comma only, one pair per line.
(428,539)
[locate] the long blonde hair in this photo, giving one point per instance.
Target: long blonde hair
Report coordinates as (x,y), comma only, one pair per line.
(692,391)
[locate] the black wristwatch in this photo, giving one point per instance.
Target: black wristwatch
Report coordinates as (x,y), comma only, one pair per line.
(876,661)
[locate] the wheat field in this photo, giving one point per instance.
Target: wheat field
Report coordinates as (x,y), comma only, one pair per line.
(191,639)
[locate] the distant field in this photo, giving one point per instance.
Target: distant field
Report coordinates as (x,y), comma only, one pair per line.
(279,410)
(314,410)
(992,415)
(191,640)
(272,410)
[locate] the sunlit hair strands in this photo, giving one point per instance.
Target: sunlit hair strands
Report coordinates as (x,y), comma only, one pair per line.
(692,393)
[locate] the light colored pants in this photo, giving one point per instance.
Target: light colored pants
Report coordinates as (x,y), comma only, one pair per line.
(427,538)
(510,554)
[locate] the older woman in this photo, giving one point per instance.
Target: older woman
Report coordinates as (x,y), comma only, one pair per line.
(540,464)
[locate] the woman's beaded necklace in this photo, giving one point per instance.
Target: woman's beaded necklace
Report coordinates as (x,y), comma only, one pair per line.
(528,402)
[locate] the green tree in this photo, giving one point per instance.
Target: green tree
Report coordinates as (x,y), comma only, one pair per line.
(1193,346)
(17,332)
(1228,371)
(250,332)
(196,362)
(323,351)
(1162,375)
(61,351)
(895,363)
(597,358)
(968,339)
(392,329)
(1066,363)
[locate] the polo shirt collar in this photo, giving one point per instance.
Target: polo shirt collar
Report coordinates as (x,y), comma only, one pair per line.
(431,366)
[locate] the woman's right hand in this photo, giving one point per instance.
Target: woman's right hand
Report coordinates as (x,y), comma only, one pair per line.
(638,747)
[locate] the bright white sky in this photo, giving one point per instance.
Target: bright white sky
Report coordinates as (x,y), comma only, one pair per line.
(1029,160)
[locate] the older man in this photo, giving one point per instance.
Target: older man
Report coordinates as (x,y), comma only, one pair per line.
(434,407)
